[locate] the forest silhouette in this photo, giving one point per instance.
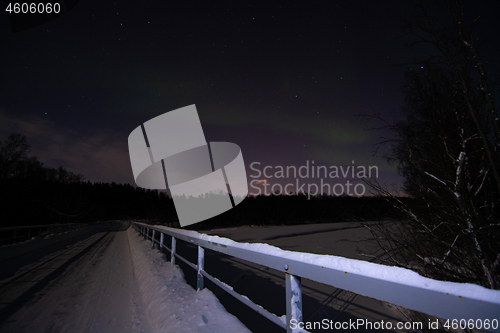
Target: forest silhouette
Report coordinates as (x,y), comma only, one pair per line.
(32,194)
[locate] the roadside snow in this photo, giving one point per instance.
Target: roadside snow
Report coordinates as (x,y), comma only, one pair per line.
(171,304)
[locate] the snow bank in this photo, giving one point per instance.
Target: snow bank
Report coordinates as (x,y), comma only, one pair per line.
(171,304)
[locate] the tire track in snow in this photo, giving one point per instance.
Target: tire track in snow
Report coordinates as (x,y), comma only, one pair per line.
(17,291)
(96,293)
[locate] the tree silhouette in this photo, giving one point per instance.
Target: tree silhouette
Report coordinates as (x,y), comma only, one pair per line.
(12,152)
(447,149)
(33,194)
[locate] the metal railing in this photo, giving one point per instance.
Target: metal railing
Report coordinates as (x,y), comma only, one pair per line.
(12,235)
(436,298)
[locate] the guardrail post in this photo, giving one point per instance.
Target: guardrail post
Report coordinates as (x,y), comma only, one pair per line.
(146,234)
(172,254)
(201,266)
(293,301)
(161,241)
(153,239)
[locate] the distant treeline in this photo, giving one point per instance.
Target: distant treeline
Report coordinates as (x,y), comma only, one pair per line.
(297,209)
(47,202)
(33,194)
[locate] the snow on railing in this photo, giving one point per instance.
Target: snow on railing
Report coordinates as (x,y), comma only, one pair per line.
(11,235)
(399,286)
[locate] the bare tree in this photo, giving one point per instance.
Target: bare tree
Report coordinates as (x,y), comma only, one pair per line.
(12,151)
(447,149)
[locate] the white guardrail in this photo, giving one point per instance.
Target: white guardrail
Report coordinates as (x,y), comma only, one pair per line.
(399,286)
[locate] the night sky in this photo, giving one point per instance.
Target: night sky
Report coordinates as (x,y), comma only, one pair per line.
(283,80)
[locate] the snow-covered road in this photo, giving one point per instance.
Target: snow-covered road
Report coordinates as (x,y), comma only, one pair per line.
(87,287)
(108,282)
